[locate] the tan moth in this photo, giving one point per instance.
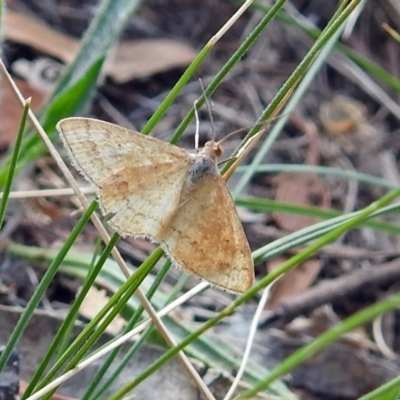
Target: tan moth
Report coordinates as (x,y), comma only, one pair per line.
(159,191)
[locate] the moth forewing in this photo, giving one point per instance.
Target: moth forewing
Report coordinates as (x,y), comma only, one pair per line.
(206,237)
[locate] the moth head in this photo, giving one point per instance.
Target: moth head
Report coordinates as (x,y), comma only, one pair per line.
(213,150)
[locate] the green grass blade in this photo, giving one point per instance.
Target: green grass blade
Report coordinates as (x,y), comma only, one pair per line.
(312,232)
(388,391)
(322,170)
(13,163)
(267,206)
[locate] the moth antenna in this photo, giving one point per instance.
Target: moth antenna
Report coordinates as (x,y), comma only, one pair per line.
(196,135)
(213,136)
(264,125)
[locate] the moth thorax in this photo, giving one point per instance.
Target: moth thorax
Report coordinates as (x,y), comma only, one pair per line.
(201,167)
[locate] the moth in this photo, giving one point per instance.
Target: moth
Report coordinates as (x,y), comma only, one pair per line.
(161,192)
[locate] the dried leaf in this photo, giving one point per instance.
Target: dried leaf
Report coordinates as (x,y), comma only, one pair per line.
(302,190)
(130,59)
(31,32)
(142,58)
(343,114)
(293,282)
(94,301)
(11,111)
